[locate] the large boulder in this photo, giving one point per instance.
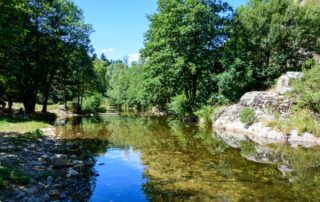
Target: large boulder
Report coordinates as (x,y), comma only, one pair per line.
(266,105)
(266,101)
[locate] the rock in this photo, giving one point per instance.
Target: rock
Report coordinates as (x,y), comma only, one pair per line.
(190,119)
(73,157)
(285,169)
(63,195)
(77,162)
(59,160)
(20,195)
(36,163)
(264,104)
(266,101)
(45,156)
(284,81)
(54,193)
(32,190)
(49,180)
(72,173)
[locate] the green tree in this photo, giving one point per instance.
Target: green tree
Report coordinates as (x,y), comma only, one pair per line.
(180,47)
(273,37)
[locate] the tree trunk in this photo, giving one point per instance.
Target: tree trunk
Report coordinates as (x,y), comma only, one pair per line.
(10,103)
(29,102)
(45,103)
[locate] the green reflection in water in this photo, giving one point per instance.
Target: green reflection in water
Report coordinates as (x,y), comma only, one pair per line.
(185,162)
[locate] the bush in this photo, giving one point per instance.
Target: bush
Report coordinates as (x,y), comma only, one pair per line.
(178,105)
(91,104)
(247,116)
(302,120)
(306,91)
(205,113)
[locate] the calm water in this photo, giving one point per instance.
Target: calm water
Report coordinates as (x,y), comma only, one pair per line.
(157,159)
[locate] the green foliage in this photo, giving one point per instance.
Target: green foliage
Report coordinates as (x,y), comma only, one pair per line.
(178,105)
(44,48)
(302,120)
(306,91)
(206,113)
(180,48)
(247,116)
(235,80)
(91,104)
(269,35)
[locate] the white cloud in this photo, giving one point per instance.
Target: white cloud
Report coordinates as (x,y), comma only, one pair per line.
(135,57)
(107,51)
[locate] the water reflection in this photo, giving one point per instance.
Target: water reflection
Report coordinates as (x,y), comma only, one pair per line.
(160,159)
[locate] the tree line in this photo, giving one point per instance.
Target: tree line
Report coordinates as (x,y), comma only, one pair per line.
(44,52)
(201,52)
(196,53)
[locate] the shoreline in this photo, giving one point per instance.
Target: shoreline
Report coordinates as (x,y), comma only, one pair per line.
(52,168)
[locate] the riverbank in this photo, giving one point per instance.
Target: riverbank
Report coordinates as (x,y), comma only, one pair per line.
(38,166)
(271,114)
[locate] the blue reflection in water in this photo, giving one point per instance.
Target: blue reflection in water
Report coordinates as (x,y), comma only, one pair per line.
(120,177)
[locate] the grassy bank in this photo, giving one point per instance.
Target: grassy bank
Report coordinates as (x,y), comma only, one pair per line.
(23,124)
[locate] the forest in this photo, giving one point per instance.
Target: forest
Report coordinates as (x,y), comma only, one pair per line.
(197,54)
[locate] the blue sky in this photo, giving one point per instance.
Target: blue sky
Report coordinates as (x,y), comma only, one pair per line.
(120,24)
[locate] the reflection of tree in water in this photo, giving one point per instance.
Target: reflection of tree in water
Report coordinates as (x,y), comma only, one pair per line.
(184,162)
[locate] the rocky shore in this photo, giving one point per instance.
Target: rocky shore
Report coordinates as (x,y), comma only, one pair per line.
(51,169)
(264,103)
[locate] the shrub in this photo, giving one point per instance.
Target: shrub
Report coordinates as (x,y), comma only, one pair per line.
(91,104)
(178,105)
(306,91)
(302,120)
(247,116)
(205,113)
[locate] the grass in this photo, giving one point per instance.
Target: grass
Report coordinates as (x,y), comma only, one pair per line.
(9,175)
(8,124)
(302,121)
(50,107)
(26,137)
(247,116)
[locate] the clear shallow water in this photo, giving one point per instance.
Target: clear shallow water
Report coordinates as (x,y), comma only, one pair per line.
(157,159)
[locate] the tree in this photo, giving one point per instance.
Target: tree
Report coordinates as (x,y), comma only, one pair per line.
(35,53)
(273,37)
(181,47)
(103,57)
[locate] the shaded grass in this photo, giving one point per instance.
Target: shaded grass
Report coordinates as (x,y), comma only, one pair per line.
(26,137)
(6,125)
(23,124)
(9,175)
(302,121)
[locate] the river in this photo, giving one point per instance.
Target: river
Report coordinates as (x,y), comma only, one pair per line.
(161,159)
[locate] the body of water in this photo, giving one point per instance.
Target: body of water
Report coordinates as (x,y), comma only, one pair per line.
(161,159)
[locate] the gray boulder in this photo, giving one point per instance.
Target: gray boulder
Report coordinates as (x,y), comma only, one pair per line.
(59,160)
(283,84)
